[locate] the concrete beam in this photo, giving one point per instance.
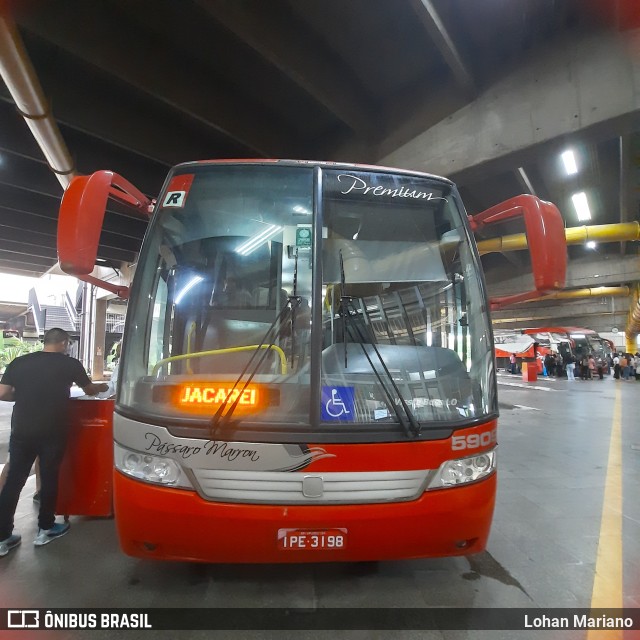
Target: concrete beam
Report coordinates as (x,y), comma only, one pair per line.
(602,322)
(597,305)
(600,325)
(603,271)
(601,313)
(277,38)
(576,84)
(436,30)
(176,80)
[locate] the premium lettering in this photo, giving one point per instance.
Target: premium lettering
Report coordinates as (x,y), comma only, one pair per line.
(353,183)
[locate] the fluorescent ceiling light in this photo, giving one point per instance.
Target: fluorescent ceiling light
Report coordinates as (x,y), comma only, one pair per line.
(525,179)
(582,205)
(591,245)
(187,287)
(569,162)
(254,242)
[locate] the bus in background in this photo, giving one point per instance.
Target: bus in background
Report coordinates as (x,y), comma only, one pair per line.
(307,373)
(575,341)
(524,347)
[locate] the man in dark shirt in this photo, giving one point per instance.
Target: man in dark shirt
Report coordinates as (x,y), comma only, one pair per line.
(39,383)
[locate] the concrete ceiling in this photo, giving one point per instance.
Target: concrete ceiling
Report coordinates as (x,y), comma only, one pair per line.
(137,86)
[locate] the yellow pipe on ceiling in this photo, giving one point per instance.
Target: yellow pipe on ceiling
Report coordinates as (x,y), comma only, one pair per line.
(624,231)
(633,322)
(574,235)
(585,292)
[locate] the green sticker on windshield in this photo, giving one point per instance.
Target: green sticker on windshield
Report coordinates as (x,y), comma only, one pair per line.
(303,237)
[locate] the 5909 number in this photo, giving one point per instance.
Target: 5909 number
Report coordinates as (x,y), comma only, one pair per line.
(473,440)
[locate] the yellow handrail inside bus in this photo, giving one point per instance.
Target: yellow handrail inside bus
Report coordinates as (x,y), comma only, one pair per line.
(202,354)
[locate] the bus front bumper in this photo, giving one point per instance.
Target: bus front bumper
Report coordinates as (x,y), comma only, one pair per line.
(171,524)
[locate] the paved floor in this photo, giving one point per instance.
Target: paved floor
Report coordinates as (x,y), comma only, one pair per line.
(566,534)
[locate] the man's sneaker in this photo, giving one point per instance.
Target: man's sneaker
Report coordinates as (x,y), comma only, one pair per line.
(9,543)
(45,536)
(36,496)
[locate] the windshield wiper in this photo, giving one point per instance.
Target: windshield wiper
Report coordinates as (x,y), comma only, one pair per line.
(344,308)
(221,418)
(413,428)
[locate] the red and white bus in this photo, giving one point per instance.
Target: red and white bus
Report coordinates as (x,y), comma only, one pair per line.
(535,343)
(307,372)
(575,341)
(522,346)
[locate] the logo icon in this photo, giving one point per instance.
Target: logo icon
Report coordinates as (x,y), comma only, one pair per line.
(23,619)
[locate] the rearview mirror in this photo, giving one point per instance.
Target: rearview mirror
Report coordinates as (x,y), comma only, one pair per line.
(80,222)
(546,239)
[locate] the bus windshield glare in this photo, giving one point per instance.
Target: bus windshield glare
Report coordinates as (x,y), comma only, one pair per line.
(335,302)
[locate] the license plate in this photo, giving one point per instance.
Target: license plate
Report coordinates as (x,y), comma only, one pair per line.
(314,540)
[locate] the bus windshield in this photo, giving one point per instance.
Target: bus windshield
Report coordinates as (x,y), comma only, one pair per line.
(308,298)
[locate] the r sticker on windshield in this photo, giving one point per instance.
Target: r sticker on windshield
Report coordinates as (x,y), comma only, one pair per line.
(176,195)
(338,403)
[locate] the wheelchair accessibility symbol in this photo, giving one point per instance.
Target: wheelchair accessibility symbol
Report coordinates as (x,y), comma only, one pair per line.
(338,403)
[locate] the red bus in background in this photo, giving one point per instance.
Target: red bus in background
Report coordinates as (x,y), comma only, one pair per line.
(567,341)
(522,346)
(575,341)
(307,373)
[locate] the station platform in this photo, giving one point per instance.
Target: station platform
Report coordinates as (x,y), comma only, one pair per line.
(566,534)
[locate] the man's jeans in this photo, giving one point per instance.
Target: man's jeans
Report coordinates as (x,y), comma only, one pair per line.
(22,455)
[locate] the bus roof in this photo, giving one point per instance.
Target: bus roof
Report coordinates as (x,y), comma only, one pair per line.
(567,330)
(325,164)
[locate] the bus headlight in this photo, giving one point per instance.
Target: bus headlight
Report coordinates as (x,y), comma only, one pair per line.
(464,470)
(154,469)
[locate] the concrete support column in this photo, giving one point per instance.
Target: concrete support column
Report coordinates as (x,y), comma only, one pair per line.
(99,330)
(86,351)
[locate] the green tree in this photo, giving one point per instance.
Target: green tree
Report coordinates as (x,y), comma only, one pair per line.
(11,353)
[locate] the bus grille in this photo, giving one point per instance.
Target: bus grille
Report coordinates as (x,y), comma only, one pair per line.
(282,487)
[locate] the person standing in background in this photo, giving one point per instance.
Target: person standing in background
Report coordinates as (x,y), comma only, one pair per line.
(624,366)
(39,384)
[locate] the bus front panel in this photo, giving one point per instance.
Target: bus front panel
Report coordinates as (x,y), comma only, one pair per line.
(292,326)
